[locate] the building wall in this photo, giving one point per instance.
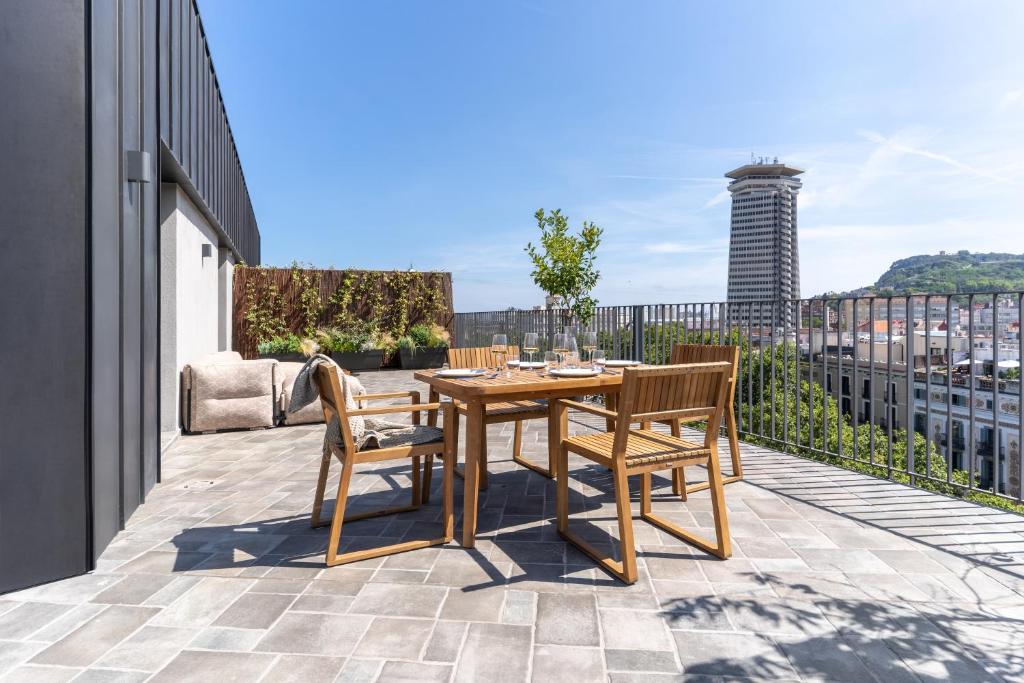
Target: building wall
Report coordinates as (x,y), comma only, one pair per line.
(191,302)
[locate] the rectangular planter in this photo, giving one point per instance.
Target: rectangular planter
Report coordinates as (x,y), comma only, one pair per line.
(359,361)
(284,357)
(422,357)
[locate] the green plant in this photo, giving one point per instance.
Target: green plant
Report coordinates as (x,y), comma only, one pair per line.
(357,335)
(407,343)
(281,344)
(264,306)
(563,265)
(430,336)
(310,303)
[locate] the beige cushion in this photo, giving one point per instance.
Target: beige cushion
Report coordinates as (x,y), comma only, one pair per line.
(229,395)
(286,373)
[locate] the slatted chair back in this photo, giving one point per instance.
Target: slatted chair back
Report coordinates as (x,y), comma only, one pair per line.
(332,399)
(707,353)
(695,391)
(475,357)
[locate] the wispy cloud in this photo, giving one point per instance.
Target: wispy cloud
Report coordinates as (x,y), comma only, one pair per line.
(895,144)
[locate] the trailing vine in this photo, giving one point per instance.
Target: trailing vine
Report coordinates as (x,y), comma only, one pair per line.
(264,307)
(310,303)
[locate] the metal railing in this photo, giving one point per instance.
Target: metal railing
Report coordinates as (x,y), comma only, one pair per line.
(891,423)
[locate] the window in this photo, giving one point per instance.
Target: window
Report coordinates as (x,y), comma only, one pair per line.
(846,385)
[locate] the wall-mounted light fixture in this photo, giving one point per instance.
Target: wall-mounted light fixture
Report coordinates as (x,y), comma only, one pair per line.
(207,250)
(137,167)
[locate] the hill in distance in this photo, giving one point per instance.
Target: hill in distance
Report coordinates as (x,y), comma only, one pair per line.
(951,273)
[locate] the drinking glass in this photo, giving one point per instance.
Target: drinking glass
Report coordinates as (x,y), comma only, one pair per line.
(598,358)
(572,356)
(551,360)
(512,362)
(499,347)
(588,343)
(560,345)
(530,344)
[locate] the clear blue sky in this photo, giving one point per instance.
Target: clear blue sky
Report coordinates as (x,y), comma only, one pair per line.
(425,134)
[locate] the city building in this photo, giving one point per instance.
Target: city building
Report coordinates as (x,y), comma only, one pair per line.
(764,259)
(125,209)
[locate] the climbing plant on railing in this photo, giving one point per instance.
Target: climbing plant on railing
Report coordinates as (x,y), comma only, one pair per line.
(310,303)
(264,306)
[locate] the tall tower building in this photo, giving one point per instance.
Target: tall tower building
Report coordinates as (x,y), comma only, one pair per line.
(764,262)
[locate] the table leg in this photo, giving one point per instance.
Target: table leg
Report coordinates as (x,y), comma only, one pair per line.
(611,402)
(558,429)
(432,414)
(470,491)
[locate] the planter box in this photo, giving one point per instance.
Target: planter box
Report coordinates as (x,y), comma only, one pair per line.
(359,361)
(422,357)
(284,357)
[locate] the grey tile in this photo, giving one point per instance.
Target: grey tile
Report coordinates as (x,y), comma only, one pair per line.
(331,604)
(477,605)
(197,666)
(567,619)
(86,644)
(445,642)
(223,638)
(148,649)
(641,660)
(13,653)
(559,662)
(254,610)
(495,652)
(110,676)
(201,605)
(731,654)
(395,638)
(303,669)
(360,670)
(27,618)
(398,600)
(34,673)
(320,634)
(829,659)
(629,629)
(413,672)
(134,589)
(68,622)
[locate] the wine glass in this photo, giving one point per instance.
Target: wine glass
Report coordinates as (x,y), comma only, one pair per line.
(551,360)
(588,342)
(499,347)
(560,346)
(530,344)
(572,356)
(598,358)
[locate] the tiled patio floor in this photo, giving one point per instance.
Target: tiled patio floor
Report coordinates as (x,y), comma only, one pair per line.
(835,576)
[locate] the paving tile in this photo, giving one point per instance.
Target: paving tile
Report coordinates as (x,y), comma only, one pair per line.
(197,666)
(134,589)
(110,676)
(27,618)
(321,634)
(567,619)
(731,654)
(162,562)
(34,673)
(86,644)
(413,672)
(148,649)
(254,610)
(360,670)
(331,604)
(395,638)
(399,600)
(223,638)
(641,660)
(558,662)
(13,653)
(303,669)
(629,629)
(485,604)
(520,608)
(445,642)
(201,605)
(499,653)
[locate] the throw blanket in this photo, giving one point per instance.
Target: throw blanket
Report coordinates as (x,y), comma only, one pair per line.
(367,432)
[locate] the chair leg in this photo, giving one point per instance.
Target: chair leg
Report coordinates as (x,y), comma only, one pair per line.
(321,488)
(483,460)
(448,477)
(428,473)
(517,440)
(562,489)
(734,446)
(629,572)
(678,476)
(718,505)
(417,492)
(339,511)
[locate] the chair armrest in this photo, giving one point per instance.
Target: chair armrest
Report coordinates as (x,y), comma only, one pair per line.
(381,410)
(414,395)
(594,410)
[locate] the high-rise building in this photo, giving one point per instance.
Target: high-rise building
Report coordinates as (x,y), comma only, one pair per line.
(764,262)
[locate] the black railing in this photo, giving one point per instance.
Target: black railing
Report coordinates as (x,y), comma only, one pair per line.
(790,347)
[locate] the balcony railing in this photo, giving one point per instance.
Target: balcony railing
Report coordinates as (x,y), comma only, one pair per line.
(788,347)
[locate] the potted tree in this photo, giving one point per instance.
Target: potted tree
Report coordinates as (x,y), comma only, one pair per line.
(282,347)
(426,346)
(356,347)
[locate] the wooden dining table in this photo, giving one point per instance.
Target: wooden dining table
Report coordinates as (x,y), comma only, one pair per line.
(517,385)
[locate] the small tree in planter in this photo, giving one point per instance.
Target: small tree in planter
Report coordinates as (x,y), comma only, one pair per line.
(282,347)
(563,264)
(426,346)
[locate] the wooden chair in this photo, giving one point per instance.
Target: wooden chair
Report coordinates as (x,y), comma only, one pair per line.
(497,413)
(333,402)
(706,353)
(692,392)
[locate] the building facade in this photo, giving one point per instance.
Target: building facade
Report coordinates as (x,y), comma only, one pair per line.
(124,208)
(764,259)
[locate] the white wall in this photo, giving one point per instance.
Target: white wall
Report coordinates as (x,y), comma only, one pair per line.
(192,300)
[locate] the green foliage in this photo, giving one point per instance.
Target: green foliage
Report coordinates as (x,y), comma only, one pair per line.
(356,335)
(429,336)
(310,303)
(563,265)
(264,308)
(281,344)
(955,273)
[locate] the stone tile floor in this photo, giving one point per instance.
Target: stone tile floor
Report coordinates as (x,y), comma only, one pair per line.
(835,576)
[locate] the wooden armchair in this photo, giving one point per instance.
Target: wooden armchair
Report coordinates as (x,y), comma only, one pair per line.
(653,394)
(437,441)
(706,353)
(496,413)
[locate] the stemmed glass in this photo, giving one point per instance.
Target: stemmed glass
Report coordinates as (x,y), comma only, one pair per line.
(499,347)
(588,342)
(560,346)
(531,344)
